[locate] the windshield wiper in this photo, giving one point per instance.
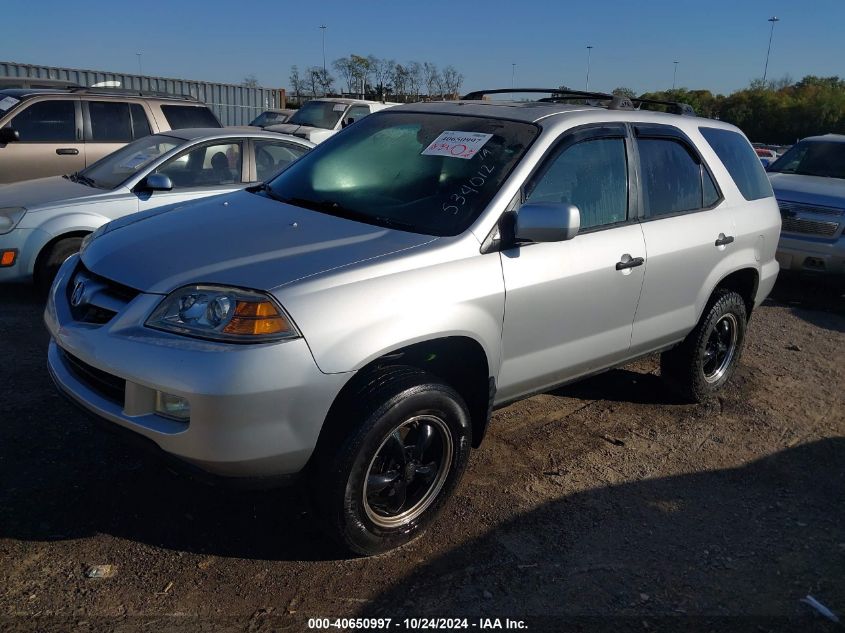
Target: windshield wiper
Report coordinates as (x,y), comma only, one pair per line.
(333,208)
(85,180)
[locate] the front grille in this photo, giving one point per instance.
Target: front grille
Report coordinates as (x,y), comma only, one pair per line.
(809,227)
(110,387)
(795,207)
(99,299)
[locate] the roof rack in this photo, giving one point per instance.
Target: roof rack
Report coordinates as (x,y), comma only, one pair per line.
(617,102)
(129,92)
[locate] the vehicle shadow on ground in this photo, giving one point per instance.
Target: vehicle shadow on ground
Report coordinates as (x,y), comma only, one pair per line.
(741,541)
(622,385)
(817,300)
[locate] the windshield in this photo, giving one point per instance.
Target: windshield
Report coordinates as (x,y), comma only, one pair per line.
(111,171)
(813,158)
(425,173)
(324,114)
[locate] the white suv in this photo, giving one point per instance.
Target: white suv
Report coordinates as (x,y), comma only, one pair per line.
(359,316)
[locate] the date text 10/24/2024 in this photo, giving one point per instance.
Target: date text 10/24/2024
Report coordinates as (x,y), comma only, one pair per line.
(416,624)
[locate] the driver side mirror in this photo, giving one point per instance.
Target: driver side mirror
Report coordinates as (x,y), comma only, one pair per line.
(9,135)
(348,121)
(156,182)
(547,222)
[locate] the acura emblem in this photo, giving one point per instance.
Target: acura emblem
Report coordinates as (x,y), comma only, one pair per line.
(78,292)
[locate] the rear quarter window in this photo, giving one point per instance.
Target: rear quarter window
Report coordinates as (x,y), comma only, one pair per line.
(180,117)
(741,161)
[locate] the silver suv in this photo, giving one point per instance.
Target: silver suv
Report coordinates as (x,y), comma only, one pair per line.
(358,317)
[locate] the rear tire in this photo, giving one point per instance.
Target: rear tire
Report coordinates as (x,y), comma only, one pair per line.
(394,452)
(50,261)
(709,355)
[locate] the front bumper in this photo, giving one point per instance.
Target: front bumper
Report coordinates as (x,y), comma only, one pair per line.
(808,254)
(20,240)
(256,410)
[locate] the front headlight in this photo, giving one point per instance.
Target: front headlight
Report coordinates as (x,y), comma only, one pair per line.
(223,314)
(9,218)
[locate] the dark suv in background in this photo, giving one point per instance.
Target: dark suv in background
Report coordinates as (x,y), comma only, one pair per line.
(48,132)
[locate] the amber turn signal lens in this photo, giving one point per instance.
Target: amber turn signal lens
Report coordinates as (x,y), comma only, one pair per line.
(8,258)
(254,318)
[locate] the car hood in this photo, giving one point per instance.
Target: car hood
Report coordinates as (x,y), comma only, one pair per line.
(240,239)
(302,131)
(44,192)
(828,192)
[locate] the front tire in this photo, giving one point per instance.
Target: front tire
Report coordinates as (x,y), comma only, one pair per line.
(50,261)
(709,355)
(394,454)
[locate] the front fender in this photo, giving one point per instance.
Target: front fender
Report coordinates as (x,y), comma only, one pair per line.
(45,232)
(349,322)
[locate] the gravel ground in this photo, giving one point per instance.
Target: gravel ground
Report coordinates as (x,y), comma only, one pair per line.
(607,503)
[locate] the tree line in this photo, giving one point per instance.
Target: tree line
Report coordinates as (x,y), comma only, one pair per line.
(779,111)
(376,78)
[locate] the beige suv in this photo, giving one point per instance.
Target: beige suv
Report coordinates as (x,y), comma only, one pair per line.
(60,131)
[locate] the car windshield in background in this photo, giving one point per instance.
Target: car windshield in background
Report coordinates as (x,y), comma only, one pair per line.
(813,158)
(425,173)
(111,171)
(324,114)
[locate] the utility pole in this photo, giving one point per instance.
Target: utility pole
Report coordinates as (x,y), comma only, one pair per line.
(587,84)
(513,74)
(140,72)
(772,19)
(323,28)
(674,75)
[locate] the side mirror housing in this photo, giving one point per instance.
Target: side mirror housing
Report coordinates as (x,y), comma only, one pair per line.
(9,135)
(547,222)
(346,122)
(157,182)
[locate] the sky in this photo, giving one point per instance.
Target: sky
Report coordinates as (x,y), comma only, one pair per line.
(719,44)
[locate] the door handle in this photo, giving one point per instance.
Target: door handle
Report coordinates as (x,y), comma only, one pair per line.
(67,151)
(632,262)
(724,240)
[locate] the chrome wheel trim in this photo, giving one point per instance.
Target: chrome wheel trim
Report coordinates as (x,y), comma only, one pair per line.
(404,515)
(720,348)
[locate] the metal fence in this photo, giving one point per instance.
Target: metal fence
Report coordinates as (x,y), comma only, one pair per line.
(233,104)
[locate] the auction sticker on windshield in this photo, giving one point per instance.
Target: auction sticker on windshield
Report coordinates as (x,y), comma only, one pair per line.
(457,144)
(7,102)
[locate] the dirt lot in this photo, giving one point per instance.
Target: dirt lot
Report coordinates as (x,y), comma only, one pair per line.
(608,498)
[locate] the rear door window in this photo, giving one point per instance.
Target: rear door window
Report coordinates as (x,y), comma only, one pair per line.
(673,181)
(741,161)
(206,166)
(273,156)
(180,117)
(140,123)
(47,121)
(110,121)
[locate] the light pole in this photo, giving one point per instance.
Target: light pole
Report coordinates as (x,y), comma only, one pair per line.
(513,74)
(674,75)
(772,19)
(323,28)
(140,72)
(589,52)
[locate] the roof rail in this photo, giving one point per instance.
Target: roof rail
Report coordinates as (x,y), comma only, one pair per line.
(129,92)
(617,102)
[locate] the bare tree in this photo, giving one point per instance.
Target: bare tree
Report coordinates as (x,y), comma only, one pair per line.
(382,73)
(319,80)
(399,78)
(297,84)
(622,91)
(250,81)
(415,78)
(363,67)
(347,69)
(431,76)
(451,81)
